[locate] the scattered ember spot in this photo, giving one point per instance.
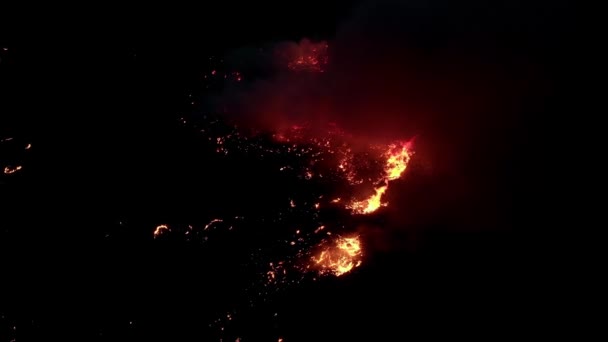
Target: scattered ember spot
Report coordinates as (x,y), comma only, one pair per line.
(308,56)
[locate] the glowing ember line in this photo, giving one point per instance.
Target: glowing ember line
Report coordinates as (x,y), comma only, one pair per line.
(212,222)
(10,170)
(160,230)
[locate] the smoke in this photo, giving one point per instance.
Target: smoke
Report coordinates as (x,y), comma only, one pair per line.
(458,76)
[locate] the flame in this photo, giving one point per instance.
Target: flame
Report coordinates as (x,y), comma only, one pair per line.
(10,170)
(370,204)
(397,157)
(340,258)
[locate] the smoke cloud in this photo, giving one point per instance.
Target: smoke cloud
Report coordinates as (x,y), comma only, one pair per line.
(460,77)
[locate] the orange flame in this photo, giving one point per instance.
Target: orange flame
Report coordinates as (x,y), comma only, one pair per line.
(370,204)
(340,258)
(397,158)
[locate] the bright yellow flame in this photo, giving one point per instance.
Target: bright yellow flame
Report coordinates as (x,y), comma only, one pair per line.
(398,156)
(370,204)
(340,258)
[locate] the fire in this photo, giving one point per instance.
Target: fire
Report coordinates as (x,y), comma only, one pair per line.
(397,157)
(160,230)
(10,170)
(370,204)
(340,258)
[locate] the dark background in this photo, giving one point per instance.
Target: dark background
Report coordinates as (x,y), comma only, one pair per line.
(100,99)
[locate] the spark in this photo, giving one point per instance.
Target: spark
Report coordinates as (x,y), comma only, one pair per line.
(28,146)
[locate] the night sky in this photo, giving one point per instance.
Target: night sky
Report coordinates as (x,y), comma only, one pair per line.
(103,111)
